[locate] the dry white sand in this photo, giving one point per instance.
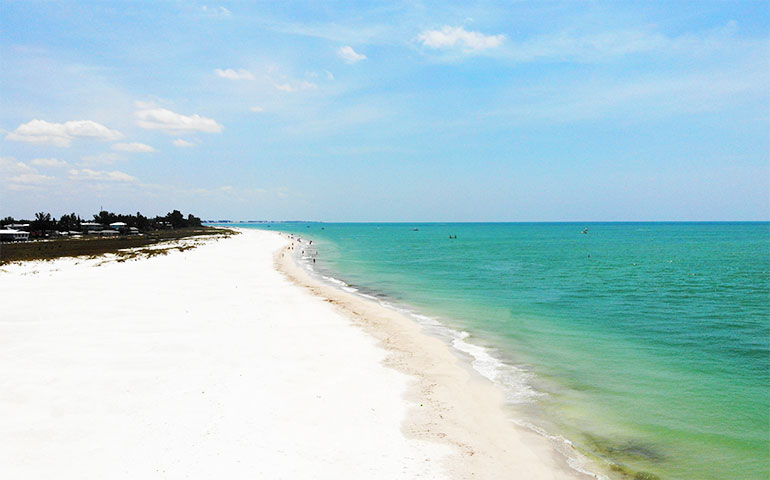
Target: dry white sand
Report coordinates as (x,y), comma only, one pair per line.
(209,363)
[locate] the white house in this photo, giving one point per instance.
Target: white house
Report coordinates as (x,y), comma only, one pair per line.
(89,227)
(10,235)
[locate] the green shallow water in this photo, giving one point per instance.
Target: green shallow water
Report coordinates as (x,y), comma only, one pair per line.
(648,343)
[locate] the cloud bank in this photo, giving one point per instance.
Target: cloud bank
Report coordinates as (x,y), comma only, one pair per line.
(451,37)
(231,74)
(133,147)
(175,123)
(61,134)
(48,162)
(217,11)
(183,143)
(9,166)
(20,176)
(31,179)
(88,174)
(350,55)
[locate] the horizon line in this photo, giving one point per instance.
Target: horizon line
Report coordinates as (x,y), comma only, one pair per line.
(395,222)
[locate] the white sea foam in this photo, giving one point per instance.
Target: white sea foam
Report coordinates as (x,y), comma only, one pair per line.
(426,320)
(515,380)
(334,280)
(581,464)
(339,283)
(564,446)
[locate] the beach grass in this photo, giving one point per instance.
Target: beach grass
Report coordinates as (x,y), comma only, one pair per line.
(92,246)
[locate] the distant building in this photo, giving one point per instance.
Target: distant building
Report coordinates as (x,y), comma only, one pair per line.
(118,225)
(18,226)
(11,235)
(89,227)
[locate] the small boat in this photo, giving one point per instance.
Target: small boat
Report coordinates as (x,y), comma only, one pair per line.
(585,230)
(415,229)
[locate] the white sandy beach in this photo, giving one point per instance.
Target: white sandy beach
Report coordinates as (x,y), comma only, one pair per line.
(211,363)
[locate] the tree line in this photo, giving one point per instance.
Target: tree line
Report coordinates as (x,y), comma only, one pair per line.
(44,223)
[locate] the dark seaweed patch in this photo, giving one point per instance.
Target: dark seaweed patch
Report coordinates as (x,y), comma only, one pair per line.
(633,449)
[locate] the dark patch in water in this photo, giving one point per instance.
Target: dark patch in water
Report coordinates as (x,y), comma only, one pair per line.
(629,449)
(584,387)
(640,450)
(646,476)
(630,474)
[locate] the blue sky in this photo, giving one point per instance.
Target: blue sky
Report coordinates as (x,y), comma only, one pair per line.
(358,111)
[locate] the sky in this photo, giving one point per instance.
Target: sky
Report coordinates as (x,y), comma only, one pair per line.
(387,111)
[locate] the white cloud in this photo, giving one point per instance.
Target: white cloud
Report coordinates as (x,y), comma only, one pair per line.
(88,174)
(284,87)
(61,134)
(449,37)
(48,162)
(293,87)
(215,11)
(257,109)
(100,158)
(350,55)
(30,179)
(290,83)
(183,143)
(231,74)
(20,176)
(171,122)
(9,166)
(133,147)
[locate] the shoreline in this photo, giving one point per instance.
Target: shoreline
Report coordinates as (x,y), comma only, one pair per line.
(202,363)
(457,405)
(209,362)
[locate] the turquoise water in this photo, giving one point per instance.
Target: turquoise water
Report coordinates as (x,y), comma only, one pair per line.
(647,345)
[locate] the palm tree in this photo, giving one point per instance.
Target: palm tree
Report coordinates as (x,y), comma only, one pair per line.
(41,223)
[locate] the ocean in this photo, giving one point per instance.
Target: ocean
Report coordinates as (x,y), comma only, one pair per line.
(646,346)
